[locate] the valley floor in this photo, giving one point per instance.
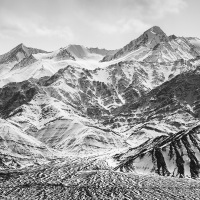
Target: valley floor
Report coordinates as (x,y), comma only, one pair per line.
(91,178)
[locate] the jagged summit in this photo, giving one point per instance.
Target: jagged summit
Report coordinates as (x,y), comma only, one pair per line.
(152,37)
(155,46)
(172,37)
(156,29)
(158,32)
(19,53)
(16,54)
(149,39)
(21,45)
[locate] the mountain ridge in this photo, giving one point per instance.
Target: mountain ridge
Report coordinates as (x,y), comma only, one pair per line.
(150,42)
(18,53)
(95,119)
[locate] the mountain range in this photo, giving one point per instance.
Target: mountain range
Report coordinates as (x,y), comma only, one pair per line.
(99,113)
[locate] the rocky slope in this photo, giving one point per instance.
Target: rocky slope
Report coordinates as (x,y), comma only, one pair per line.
(43,105)
(18,149)
(92,90)
(175,155)
(91,178)
(76,93)
(163,129)
(168,108)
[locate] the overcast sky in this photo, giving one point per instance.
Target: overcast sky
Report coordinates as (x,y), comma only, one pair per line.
(111,24)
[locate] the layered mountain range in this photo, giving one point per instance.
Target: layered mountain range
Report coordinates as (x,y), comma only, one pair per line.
(136,109)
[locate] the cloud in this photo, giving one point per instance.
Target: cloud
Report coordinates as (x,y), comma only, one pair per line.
(122,26)
(123,16)
(160,8)
(132,24)
(61,32)
(82,21)
(135,8)
(12,26)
